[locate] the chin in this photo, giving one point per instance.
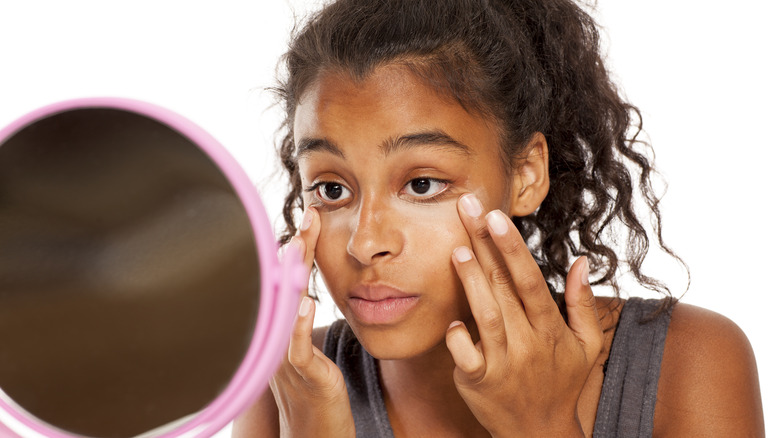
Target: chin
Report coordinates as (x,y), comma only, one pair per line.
(396,342)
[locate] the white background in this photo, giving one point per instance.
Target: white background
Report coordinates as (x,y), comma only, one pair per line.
(704,73)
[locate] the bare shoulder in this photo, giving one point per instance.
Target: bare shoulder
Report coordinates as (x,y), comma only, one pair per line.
(261,419)
(709,380)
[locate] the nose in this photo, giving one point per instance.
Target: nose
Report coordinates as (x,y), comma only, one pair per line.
(375,234)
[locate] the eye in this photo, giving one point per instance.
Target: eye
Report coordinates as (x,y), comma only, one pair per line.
(425,187)
(332,192)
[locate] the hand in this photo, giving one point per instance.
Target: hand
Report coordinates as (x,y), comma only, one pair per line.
(525,374)
(309,388)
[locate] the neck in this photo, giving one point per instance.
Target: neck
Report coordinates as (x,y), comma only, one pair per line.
(427,377)
(420,395)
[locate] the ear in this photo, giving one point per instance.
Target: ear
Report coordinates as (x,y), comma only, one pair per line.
(530,178)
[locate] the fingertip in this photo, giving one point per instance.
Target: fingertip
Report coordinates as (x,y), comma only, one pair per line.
(455,324)
(584,317)
(309,233)
(299,352)
(307,219)
(579,295)
(304,320)
(578,280)
(455,330)
(470,205)
(498,222)
(462,254)
(454,338)
(468,358)
(310,222)
(306,306)
(585,271)
(298,244)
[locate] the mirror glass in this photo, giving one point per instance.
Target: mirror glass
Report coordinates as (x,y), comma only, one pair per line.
(129,276)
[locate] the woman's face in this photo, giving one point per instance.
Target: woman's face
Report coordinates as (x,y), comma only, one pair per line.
(384,161)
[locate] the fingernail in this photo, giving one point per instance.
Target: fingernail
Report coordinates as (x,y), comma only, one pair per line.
(305,307)
(306,220)
(454,324)
(497,222)
(584,272)
(471,205)
(462,254)
(297,243)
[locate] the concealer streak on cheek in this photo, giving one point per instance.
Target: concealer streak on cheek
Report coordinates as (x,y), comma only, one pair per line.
(432,233)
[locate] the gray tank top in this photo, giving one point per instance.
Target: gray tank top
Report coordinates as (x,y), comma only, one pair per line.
(628,394)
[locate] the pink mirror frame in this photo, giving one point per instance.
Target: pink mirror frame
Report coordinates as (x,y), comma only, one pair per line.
(281,283)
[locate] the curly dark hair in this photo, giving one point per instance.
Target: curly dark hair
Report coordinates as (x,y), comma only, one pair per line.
(530,66)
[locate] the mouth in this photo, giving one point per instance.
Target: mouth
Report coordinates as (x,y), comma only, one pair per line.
(380,305)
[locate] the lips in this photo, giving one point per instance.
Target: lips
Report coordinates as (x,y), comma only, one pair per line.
(379,304)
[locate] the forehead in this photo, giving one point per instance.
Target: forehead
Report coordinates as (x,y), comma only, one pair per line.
(390,102)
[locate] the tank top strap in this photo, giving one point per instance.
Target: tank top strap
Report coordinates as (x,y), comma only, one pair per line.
(360,375)
(627,404)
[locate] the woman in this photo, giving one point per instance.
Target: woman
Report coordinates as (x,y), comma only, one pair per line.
(453,157)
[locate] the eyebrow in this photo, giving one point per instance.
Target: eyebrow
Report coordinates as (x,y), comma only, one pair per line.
(310,145)
(435,138)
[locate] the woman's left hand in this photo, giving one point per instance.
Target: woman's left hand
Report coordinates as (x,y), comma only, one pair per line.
(525,374)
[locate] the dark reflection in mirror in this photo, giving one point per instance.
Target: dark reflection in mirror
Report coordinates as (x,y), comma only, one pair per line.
(129,279)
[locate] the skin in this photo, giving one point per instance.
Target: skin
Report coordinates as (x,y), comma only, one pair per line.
(390,237)
(484,351)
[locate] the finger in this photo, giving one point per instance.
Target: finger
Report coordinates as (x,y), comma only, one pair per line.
(306,239)
(527,279)
(309,232)
(584,320)
(484,307)
(490,259)
(300,354)
(469,361)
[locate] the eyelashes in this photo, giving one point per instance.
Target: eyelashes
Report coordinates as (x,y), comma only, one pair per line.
(422,190)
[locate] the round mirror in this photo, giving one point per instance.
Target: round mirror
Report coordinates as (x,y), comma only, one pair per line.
(133,253)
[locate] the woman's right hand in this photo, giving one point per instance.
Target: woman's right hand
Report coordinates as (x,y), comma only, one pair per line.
(308,387)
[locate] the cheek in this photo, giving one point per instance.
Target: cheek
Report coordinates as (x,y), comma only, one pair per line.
(436,239)
(438,224)
(431,236)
